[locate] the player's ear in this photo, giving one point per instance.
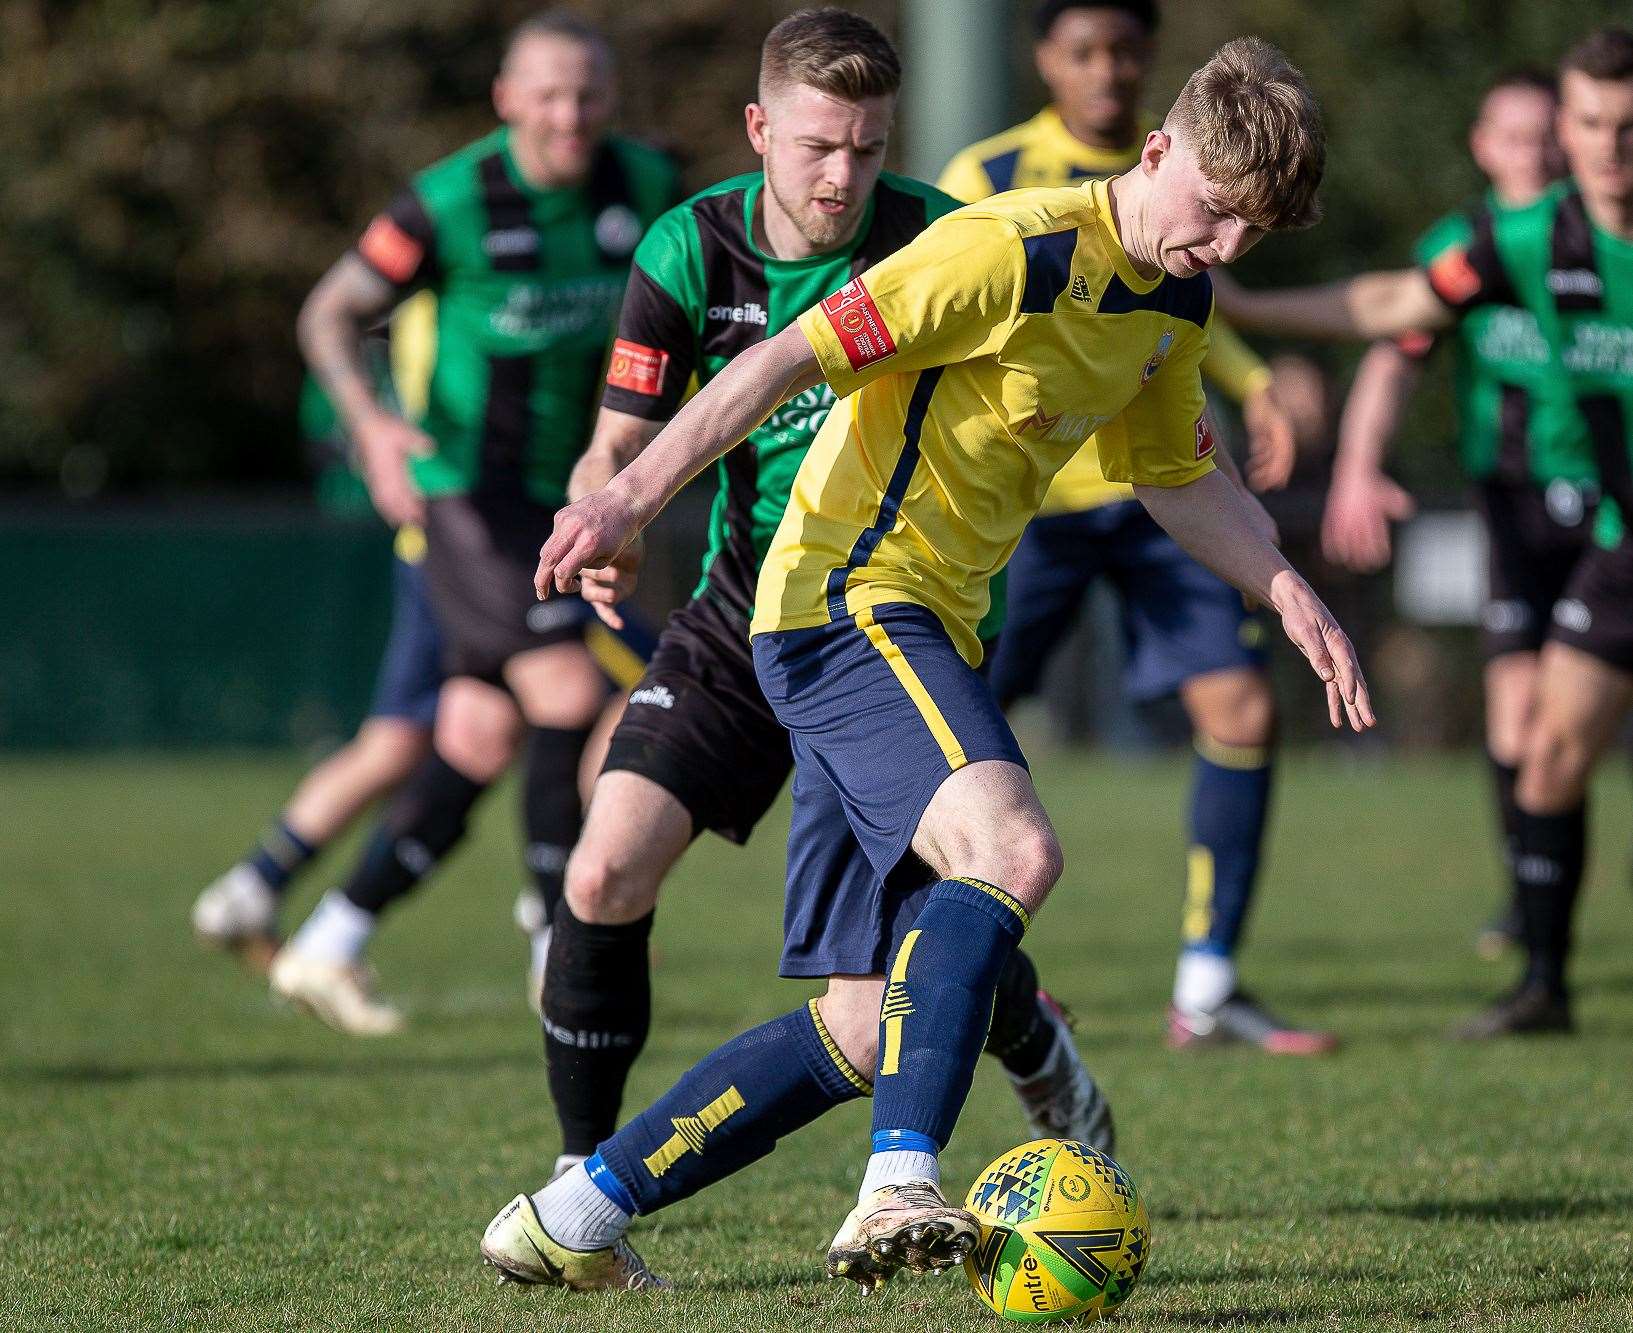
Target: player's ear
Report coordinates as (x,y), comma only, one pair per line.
(499,98)
(754,121)
(1158,144)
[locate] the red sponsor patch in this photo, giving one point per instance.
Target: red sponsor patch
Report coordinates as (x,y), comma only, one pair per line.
(636,368)
(391,250)
(857,322)
(1204,438)
(1453,277)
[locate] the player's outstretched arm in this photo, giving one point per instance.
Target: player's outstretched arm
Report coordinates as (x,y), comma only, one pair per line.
(1362,501)
(348,299)
(1373,305)
(590,532)
(1210,519)
(616,442)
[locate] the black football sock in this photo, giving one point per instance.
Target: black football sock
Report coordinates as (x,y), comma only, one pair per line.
(420,826)
(1503,778)
(597,1009)
(551,810)
(1021,1035)
(1549,855)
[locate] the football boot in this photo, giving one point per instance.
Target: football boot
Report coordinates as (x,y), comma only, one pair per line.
(517,1244)
(1241,1018)
(339,994)
(239,913)
(1528,1010)
(906,1225)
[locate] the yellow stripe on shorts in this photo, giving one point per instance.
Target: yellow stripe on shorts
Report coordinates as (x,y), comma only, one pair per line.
(951,750)
(621,664)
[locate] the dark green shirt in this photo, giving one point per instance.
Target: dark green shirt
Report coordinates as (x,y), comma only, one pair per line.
(527,284)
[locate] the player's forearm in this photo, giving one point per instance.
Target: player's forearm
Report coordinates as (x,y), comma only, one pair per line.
(329,329)
(1373,305)
(617,442)
(1210,518)
(1372,411)
(737,400)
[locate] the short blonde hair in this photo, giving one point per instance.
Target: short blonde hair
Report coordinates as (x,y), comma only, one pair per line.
(832,50)
(1254,125)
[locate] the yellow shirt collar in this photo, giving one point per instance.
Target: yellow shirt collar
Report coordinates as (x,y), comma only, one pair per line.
(1052,129)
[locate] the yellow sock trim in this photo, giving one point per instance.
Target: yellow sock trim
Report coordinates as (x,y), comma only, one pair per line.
(1198,895)
(897,1006)
(993,891)
(1243,758)
(844,1066)
(951,750)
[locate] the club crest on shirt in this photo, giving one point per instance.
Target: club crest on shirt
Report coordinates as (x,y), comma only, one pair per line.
(1164,346)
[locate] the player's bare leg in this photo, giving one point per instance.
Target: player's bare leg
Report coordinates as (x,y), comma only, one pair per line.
(1510,692)
(321,969)
(238,912)
(634,833)
(1233,717)
(985,834)
(1580,702)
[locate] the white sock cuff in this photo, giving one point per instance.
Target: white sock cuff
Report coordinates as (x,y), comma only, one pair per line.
(577,1214)
(336,931)
(892,1168)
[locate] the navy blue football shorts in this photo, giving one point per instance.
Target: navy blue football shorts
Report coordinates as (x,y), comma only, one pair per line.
(1179,619)
(880,709)
(410,676)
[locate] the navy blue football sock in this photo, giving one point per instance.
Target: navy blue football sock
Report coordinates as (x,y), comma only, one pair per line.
(1550,852)
(1230,801)
(937,1009)
(726,1111)
(420,826)
(280,855)
(551,810)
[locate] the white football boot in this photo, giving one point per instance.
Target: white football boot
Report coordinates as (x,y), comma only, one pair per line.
(904,1225)
(339,994)
(239,913)
(517,1244)
(1062,1100)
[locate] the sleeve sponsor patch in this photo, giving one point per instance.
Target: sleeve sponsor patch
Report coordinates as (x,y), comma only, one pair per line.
(1452,276)
(859,326)
(637,368)
(1204,438)
(392,251)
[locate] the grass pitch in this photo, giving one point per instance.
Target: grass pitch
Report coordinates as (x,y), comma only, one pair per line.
(175,1151)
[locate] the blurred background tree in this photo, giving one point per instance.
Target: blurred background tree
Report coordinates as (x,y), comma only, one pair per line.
(180,172)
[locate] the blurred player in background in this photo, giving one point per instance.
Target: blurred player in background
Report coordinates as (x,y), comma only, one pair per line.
(1568,259)
(699,748)
(525,236)
(1186,630)
(1089,307)
(239,911)
(1531,466)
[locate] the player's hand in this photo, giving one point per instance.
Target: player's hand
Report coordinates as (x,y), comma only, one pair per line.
(1361,504)
(604,588)
(1271,447)
(1312,628)
(385,443)
(588,534)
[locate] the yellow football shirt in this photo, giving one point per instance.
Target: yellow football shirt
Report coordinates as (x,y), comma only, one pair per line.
(1042,151)
(970,366)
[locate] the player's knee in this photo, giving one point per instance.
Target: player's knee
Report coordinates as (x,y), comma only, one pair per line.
(1555,770)
(602,887)
(1031,865)
(850,1012)
(1236,708)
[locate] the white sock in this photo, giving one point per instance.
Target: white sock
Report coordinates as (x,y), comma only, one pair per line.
(892,1168)
(336,931)
(577,1214)
(539,942)
(1203,981)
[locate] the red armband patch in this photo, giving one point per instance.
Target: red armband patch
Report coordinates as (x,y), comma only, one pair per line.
(1204,438)
(1453,277)
(858,324)
(391,250)
(1416,344)
(636,368)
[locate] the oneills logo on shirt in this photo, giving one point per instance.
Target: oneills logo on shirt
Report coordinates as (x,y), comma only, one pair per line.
(1062,425)
(1453,277)
(636,367)
(392,251)
(859,326)
(1204,438)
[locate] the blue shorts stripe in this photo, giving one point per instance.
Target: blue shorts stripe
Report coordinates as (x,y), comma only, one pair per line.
(890,505)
